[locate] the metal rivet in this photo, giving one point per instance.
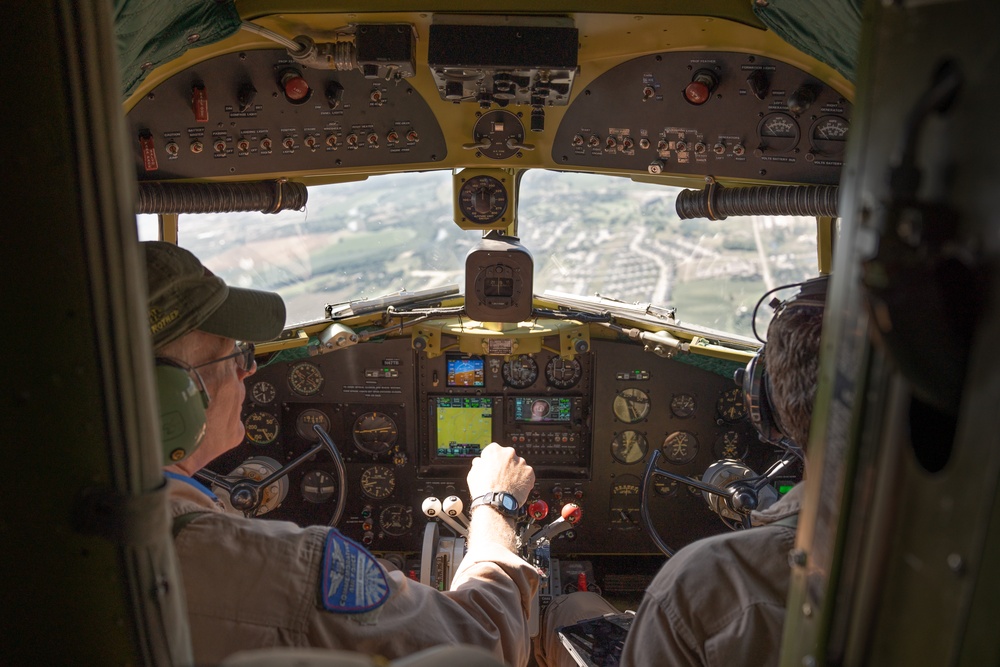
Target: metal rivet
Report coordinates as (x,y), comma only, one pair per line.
(146,65)
(193,38)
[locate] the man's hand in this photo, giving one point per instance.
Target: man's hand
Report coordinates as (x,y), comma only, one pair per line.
(499,468)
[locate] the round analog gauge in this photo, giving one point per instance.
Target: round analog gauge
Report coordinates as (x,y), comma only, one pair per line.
(730,445)
(263,392)
(682,405)
(305,378)
(828,135)
(261,427)
(378,482)
(520,371)
(778,133)
(664,486)
(482,199)
(307,419)
(631,405)
(624,504)
(629,447)
(695,491)
(375,432)
(730,406)
(563,373)
(396,519)
(318,486)
(680,447)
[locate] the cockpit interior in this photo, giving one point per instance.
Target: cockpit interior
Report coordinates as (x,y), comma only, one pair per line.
(561,227)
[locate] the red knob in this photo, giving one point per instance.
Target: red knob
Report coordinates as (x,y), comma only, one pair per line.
(296,88)
(538,510)
(572,513)
(696,92)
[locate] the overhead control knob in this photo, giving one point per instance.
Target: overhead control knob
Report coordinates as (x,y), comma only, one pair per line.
(703,83)
(245,97)
(296,89)
(199,103)
(334,94)
(759,83)
(801,100)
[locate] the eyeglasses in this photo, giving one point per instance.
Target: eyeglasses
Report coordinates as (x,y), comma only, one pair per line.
(244,356)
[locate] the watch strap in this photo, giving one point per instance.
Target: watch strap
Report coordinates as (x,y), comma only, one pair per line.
(501,501)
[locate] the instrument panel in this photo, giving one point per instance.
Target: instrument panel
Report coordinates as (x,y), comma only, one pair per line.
(407,426)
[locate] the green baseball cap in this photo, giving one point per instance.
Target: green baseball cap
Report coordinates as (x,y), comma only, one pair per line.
(184,296)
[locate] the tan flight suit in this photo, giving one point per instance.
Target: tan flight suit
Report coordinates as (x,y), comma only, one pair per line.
(718,602)
(252,583)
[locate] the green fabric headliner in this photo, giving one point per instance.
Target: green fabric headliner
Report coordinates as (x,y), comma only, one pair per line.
(153,32)
(828,30)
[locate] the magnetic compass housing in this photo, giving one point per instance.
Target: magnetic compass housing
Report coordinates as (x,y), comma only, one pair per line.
(499,275)
(485,199)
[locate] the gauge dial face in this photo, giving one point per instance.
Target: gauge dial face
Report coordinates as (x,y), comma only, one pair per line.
(378,482)
(261,427)
(624,506)
(307,419)
(305,379)
(563,373)
(318,486)
(680,447)
(631,405)
(375,432)
(520,371)
(730,406)
(396,519)
(682,405)
(483,199)
(828,135)
(664,486)
(629,447)
(778,133)
(263,392)
(730,445)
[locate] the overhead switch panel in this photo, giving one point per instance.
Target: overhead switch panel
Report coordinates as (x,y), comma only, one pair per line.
(533,64)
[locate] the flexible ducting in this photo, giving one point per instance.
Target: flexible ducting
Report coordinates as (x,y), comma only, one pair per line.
(263,196)
(717,203)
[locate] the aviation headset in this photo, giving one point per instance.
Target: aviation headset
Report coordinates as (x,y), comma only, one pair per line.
(754,379)
(183,400)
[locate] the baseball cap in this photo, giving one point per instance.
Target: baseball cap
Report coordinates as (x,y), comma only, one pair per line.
(184,296)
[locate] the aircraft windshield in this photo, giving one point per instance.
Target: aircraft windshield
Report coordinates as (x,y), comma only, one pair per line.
(588,234)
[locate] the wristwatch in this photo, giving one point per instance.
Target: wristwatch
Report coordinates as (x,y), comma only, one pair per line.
(501,501)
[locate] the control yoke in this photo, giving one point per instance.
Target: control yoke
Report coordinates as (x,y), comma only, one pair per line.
(736,494)
(246,494)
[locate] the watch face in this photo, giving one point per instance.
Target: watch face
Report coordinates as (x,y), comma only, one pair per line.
(509,502)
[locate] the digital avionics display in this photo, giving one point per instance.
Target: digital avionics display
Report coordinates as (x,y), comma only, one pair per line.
(556,410)
(464,425)
(465,372)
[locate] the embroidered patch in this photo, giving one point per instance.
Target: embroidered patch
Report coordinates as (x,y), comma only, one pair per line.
(352,582)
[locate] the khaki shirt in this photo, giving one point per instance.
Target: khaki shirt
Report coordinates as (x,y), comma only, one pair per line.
(720,601)
(252,583)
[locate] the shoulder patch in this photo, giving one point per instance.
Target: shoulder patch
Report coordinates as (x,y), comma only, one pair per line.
(352,581)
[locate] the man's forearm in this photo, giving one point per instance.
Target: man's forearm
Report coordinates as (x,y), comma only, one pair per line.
(488,525)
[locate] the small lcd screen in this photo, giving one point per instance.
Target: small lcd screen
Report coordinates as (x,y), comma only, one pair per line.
(465,372)
(464,425)
(556,410)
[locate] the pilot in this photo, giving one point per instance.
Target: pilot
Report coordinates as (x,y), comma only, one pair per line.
(251,583)
(720,601)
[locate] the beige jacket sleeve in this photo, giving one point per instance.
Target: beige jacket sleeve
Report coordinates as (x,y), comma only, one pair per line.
(251,584)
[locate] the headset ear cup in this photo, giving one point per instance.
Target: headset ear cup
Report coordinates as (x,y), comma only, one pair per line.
(182,411)
(755,395)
